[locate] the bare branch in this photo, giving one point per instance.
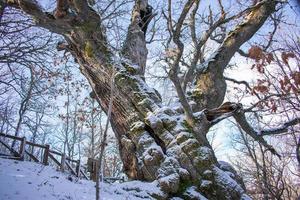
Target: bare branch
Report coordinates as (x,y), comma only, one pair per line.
(242,53)
(242,33)
(173,74)
(298,150)
(193,22)
(198,45)
(210,84)
(281,129)
(243,123)
(276,20)
(243,83)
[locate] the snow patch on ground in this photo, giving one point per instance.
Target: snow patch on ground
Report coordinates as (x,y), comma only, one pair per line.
(32,181)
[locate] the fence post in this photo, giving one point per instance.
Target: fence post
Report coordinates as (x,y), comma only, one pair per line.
(78,168)
(96,170)
(62,162)
(46,154)
(22,148)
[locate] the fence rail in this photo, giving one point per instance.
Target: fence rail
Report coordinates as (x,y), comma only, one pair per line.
(65,163)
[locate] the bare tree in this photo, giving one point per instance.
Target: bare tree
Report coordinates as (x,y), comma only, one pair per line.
(25,76)
(266,177)
(163,143)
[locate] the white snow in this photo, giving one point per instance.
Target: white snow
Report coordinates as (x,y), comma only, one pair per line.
(206,184)
(228,183)
(193,193)
(27,180)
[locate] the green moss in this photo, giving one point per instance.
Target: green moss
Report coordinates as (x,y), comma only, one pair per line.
(203,84)
(188,127)
(123,78)
(196,93)
(130,69)
(182,137)
(88,50)
(190,145)
(183,185)
(169,123)
(88,27)
(136,133)
(194,153)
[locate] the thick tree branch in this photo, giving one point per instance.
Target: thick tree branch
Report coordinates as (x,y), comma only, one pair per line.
(82,7)
(226,110)
(189,76)
(62,7)
(134,47)
(229,109)
(210,84)
(41,18)
(242,33)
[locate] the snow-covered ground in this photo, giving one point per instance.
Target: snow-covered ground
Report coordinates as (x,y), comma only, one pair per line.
(27,180)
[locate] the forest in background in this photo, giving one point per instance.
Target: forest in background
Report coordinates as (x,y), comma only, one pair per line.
(45,98)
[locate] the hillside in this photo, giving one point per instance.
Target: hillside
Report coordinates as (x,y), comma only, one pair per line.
(27,180)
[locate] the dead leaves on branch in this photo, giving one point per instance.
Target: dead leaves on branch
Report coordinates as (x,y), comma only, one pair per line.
(261,88)
(285,56)
(285,81)
(289,83)
(256,53)
(261,58)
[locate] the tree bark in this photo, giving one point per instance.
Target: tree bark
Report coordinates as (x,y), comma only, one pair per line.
(156,143)
(210,82)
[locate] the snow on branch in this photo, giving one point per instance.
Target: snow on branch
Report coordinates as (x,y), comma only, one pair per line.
(281,129)
(258,135)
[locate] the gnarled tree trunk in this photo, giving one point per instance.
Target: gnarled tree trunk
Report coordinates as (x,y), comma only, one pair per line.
(156,143)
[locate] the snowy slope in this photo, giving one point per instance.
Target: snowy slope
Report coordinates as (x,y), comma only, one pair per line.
(27,180)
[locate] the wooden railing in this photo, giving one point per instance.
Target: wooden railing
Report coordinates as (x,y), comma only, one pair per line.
(65,163)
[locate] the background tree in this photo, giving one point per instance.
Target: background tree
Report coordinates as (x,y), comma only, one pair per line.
(275,92)
(26,78)
(167,145)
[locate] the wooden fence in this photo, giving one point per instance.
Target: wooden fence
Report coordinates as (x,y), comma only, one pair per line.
(64,163)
